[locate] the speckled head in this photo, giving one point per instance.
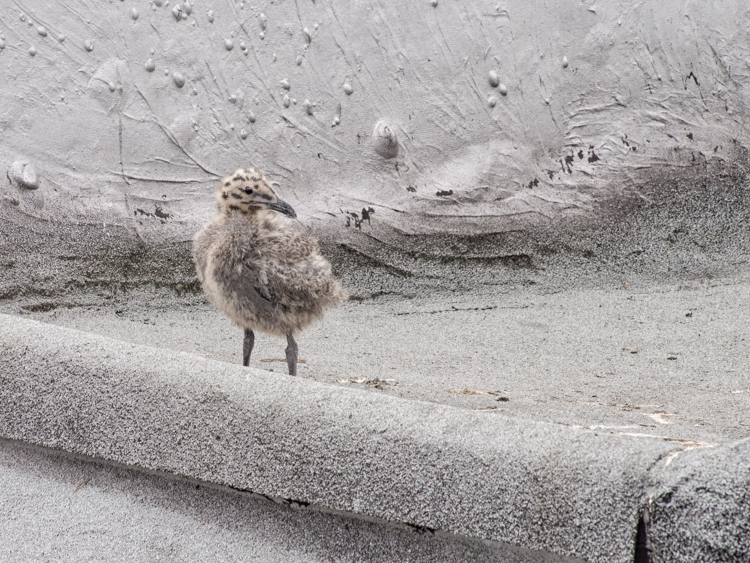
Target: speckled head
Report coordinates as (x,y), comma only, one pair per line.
(248,191)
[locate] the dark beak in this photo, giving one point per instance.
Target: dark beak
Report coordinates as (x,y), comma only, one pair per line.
(283,207)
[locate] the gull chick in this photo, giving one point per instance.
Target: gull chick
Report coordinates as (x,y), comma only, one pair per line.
(255,266)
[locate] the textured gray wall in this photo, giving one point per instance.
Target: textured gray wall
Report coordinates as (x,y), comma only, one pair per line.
(461,118)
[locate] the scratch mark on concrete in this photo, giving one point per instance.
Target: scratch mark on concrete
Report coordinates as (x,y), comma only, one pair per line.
(173,139)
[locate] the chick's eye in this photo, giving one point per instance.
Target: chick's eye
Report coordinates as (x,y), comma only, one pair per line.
(248,190)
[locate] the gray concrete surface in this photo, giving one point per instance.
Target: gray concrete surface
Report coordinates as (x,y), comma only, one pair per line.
(669,361)
(567,210)
(520,112)
(700,509)
(549,322)
(548,487)
(594,109)
(540,486)
(60,508)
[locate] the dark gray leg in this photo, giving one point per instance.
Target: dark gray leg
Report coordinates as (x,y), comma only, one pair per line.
(291,354)
(247,347)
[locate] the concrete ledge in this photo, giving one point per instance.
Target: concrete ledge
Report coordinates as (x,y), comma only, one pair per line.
(540,486)
(700,508)
(62,507)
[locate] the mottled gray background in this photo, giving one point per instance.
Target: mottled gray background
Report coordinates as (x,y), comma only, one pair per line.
(541,211)
(529,134)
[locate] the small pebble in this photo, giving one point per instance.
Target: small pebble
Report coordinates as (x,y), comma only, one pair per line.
(308,105)
(263,22)
(150,66)
(287,101)
(210,16)
(61,38)
(23,174)
(299,60)
(285,84)
(228,44)
(187,8)
(348,90)
(494,79)
(179,80)
(32,51)
(503,89)
(88,45)
(243,134)
(492,101)
(565,62)
(308,35)
(41,30)
(384,139)
(251,117)
(134,14)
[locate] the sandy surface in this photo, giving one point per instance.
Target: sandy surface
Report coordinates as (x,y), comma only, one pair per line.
(669,361)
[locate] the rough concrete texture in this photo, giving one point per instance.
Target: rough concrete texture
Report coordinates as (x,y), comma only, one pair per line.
(530,157)
(61,508)
(668,361)
(705,497)
(544,487)
(692,229)
(455,118)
